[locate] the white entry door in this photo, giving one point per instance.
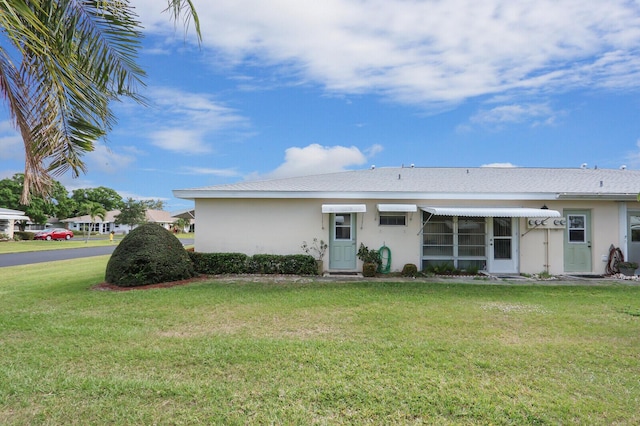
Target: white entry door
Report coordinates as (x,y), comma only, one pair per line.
(503,245)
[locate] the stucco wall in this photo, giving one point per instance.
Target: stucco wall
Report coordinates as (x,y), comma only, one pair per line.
(279,227)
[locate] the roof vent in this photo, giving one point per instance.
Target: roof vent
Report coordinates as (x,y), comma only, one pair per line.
(412,165)
(623,167)
(373,166)
(583,165)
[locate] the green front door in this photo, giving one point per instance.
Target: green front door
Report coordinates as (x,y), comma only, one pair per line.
(342,242)
(577,243)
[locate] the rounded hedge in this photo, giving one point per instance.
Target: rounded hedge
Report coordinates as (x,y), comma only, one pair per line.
(149,254)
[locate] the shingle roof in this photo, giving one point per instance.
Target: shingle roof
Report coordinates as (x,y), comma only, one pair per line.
(383,182)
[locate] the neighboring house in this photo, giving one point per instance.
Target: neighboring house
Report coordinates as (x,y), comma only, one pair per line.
(7,221)
(502,220)
(107,225)
(190,215)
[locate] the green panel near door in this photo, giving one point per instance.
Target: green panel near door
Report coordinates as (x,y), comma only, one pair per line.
(342,241)
(577,241)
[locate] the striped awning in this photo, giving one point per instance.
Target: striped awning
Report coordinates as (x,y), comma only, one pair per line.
(491,212)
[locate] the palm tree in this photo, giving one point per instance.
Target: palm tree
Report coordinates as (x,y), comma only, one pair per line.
(62,62)
(94,210)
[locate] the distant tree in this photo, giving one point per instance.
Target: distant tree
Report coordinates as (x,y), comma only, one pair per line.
(39,209)
(132,213)
(65,206)
(182,224)
(62,64)
(94,210)
(153,204)
(108,198)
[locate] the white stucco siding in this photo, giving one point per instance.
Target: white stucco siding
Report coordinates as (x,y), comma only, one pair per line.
(279,226)
(256,226)
(403,241)
(535,253)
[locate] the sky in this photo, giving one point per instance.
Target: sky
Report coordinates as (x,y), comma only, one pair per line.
(288,87)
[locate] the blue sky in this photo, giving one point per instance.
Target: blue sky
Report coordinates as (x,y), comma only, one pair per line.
(284,88)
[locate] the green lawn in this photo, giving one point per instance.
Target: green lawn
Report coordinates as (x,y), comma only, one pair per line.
(76,242)
(221,352)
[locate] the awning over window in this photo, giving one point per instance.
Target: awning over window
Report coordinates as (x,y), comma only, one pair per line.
(491,212)
(344,208)
(13,217)
(397,208)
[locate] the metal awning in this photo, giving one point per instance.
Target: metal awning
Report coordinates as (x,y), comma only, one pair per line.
(13,217)
(344,208)
(491,212)
(399,208)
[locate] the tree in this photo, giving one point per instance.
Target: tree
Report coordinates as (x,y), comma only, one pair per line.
(132,213)
(62,63)
(182,224)
(94,210)
(106,197)
(57,204)
(153,204)
(137,261)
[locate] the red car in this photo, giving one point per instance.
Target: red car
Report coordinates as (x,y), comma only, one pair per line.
(54,234)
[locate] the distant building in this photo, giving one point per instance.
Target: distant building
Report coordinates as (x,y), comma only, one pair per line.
(8,218)
(82,223)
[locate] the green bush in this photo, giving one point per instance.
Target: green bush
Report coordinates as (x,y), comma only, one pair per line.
(23,235)
(219,263)
(294,264)
(409,270)
(238,263)
(149,254)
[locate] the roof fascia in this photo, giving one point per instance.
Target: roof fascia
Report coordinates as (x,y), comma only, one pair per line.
(609,197)
(378,195)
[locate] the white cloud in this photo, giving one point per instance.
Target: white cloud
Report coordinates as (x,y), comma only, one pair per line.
(536,114)
(318,159)
(428,52)
(11,146)
(180,141)
(502,165)
(183,121)
(211,172)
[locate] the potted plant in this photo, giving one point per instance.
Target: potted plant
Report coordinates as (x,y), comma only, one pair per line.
(371,260)
(628,268)
(317,249)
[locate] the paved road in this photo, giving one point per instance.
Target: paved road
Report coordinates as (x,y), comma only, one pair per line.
(14,259)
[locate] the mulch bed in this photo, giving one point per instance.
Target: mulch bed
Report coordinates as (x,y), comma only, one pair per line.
(104,286)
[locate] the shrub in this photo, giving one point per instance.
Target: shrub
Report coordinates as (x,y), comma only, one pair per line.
(23,235)
(4,237)
(219,263)
(409,270)
(300,264)
(238,263)
(148,255)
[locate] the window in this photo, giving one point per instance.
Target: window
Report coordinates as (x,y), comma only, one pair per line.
(577,228)
(456,241)
(342,227)
(635,228)
(393,219)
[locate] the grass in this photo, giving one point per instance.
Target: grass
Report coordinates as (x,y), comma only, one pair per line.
(223,352)
(76,242)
